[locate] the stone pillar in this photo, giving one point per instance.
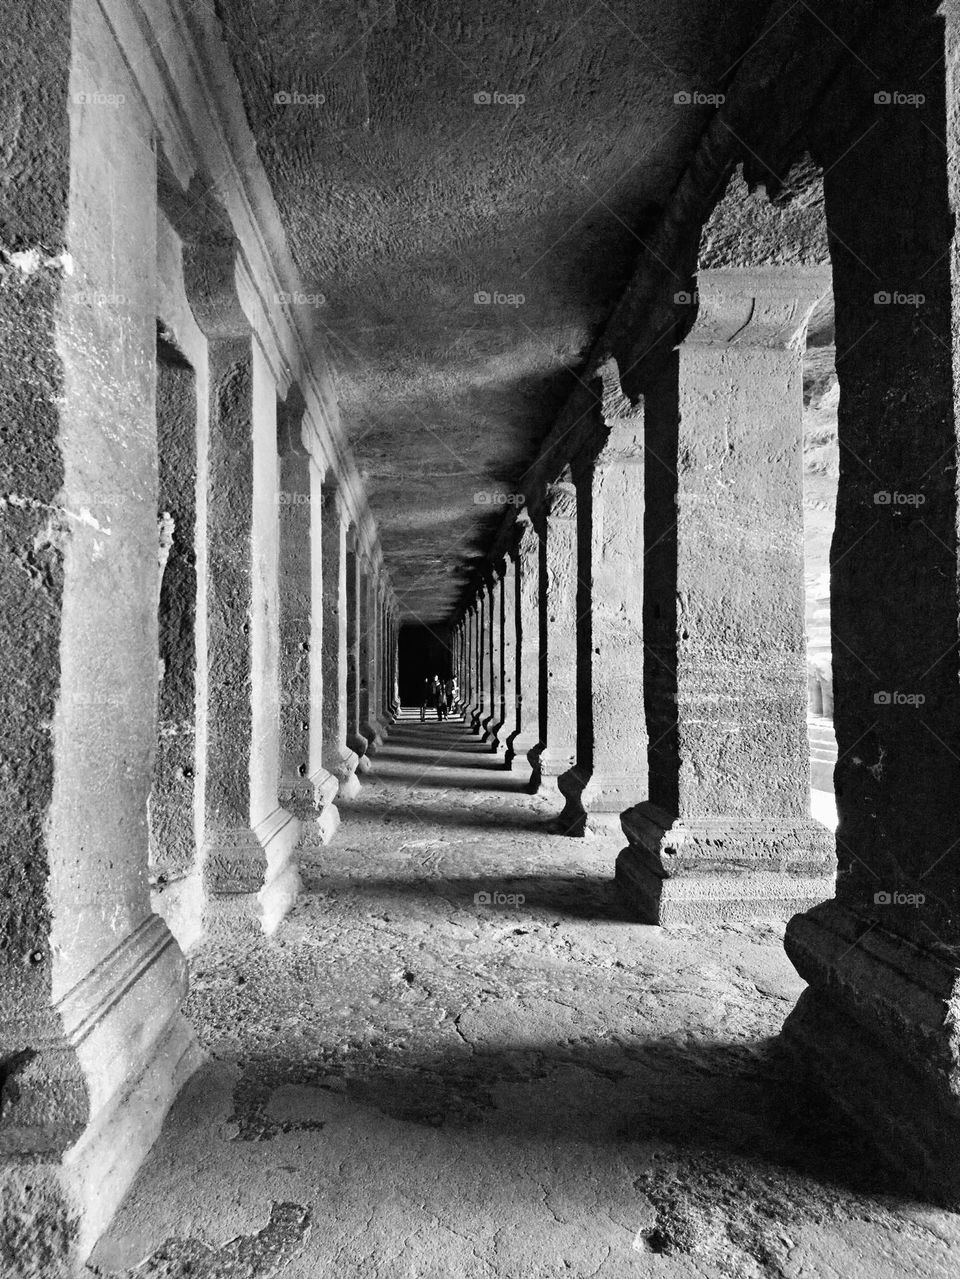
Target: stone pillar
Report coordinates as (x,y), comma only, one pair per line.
(307,788)
(507,728)
(494,708)
(469,652)
(394,659)
(177,892)
(339,758)
(356,741)
(464,677)
(611,770)
(369,684)
(558,639)
(525,740)
(386,692)
(726,833)
(249,837)
(877,1027)
(481,661)
(94,1047)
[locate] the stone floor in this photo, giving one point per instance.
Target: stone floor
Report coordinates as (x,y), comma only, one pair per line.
(413,1079)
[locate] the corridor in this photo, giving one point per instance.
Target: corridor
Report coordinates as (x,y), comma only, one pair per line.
(409,1080)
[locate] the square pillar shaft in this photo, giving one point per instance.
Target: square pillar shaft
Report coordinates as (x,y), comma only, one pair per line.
(558,638)
(307,788)
(611,770)
(877,1027)
(510,723)
(480,662)
(494,716)
(526,559)
(338,757)
(726,833)
(356,741)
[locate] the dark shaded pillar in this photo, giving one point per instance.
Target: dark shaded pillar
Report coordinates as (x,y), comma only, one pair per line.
(877,1028)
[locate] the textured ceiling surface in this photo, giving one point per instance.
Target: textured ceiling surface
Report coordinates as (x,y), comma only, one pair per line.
(465,188)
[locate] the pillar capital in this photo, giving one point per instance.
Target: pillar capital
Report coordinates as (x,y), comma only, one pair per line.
(756,306)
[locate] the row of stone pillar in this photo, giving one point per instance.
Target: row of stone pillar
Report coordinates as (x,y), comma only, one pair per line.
(295,632)
(640,645)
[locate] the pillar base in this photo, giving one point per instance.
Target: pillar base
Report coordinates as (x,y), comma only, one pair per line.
(312,803)
(374,736)
(601,797)
(251,876)
(122,1021)
(877,1034)
(722,870)
(343,766)
(180,903)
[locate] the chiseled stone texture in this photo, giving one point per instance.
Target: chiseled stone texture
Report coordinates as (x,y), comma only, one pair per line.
(408,1081)
(403,196)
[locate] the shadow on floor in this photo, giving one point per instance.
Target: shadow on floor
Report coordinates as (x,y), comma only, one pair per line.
(489,896)
(428,814)
(416,773)
(741,1109)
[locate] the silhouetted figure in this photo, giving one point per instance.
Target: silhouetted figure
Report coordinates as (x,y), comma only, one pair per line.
(436,696)
(427,697)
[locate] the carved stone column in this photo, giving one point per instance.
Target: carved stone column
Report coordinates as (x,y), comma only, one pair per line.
(726,833)
(507,728)
(307,788)
(369,661)
(494,707)
(611,770)
(339,758)
(524,742)
(877,1027)
(94,1046)
(558,639)
(481,661)
(356,740)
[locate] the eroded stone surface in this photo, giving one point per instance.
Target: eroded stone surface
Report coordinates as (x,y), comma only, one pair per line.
(449,1087)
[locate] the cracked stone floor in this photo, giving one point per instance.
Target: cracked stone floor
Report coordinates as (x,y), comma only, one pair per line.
(410,1082)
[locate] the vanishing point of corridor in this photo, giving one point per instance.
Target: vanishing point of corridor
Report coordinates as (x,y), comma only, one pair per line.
(458,1060)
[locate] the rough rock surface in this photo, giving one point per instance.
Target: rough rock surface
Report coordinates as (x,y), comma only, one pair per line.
(408,1081)
(405,199)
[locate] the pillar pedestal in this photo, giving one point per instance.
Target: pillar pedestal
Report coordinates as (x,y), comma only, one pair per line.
(713,870)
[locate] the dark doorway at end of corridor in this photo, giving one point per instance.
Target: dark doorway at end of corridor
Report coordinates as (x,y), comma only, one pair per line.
(423,652)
